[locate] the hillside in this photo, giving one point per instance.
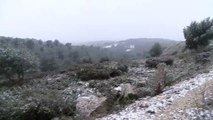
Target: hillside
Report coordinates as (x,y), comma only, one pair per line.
(55,56)
(113,90)
(182,101)
(174,85)
(137,48)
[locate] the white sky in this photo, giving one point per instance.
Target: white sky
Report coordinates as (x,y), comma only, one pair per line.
(90,20)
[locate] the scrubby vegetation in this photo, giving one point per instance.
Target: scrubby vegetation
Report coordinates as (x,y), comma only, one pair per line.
(53,55)
(16,62)
(198,34)
(100,71)
(68,73)
(156,50)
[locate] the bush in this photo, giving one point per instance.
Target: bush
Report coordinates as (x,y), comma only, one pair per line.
(145,91)
(86,60)
(36,104)
(198,33)
(48,65)
(99,71)
(122,68)
(16,62)
(161,79)
(153,62)
(104,59)
(156,50)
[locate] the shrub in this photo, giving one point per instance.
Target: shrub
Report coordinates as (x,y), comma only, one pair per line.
(36,104)
(122,68)
(88,74)
(145,91)
(160,79)
(86,60)
(156,50)
(16,62)
(48,64)
(99,71)
(153,62)
(198,33)
(104,59)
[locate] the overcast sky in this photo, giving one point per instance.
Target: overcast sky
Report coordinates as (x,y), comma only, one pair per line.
(91,20)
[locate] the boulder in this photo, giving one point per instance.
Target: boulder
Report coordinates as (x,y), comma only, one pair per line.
(88,104)
(126,93)
(153,62)
(128,90)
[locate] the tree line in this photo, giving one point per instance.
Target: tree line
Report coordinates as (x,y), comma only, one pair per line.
(23,55)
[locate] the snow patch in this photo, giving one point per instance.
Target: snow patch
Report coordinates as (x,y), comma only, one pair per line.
(117,88)
(132,46)
(128,50)
(108,46)
(115,44)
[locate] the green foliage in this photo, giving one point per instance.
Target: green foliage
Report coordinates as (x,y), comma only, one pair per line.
(74,55)
(104,59)
(30,44)
(86,60)
(156,50)
(35,104)
(68,45)
(56,56)
(99,71)
(48,64)
(16,62)
(198,33)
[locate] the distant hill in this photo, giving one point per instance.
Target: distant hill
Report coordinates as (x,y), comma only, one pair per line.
(132,47)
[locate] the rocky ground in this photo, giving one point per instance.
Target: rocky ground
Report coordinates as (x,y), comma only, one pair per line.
(110,92)
(176,103)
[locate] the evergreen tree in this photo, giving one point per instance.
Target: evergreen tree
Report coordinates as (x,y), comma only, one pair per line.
(198,33)
(156,50)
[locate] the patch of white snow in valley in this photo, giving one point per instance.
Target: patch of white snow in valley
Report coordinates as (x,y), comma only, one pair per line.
(128,50)
(132,46)
(146,108)
(115,44)
(108,46)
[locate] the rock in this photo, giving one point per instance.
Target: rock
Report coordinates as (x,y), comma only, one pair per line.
(153,62)
(62,118)
(151,111)
(56,118)
(86,105)
(128,90)
(118,88)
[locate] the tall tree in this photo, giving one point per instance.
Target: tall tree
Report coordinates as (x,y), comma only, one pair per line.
(198,33)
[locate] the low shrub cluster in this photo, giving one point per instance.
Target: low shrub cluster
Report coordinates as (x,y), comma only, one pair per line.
(153,62)
(35,104)
(99,71)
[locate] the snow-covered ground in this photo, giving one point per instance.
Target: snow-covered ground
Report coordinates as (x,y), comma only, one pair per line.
(150,107)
